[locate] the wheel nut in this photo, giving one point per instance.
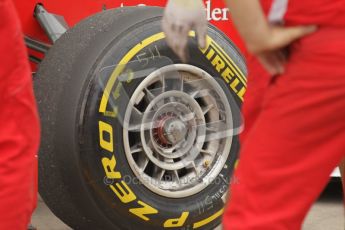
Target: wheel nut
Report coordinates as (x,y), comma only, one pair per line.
(206,164)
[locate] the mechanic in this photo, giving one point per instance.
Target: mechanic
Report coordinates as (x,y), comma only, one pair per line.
(19,135)
(293,137)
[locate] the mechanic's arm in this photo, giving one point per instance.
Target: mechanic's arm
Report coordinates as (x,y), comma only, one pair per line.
(263,40)
(257,33)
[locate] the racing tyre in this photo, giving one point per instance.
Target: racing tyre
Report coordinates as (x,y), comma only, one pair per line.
(131,137)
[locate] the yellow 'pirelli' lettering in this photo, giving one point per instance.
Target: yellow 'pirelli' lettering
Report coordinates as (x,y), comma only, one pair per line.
(228,75)
(143,211)
(208,43)
(178,222)
(234,85)
(210,54)
(226,70)
(148,41)
(218,63)
(241,93)
(231,63)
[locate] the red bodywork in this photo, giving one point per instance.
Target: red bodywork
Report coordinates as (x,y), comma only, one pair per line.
(77,10)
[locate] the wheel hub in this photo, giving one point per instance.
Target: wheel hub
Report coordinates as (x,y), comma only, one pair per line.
(179,146)
(170,130)
(174,130)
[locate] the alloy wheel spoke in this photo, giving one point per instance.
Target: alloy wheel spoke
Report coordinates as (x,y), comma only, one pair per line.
(207,108)
(137,149)
(149,94)
(144,164)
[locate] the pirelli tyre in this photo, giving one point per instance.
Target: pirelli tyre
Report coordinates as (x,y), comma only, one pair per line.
(131,137)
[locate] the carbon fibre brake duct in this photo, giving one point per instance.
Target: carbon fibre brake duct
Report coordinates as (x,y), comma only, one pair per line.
(53,25)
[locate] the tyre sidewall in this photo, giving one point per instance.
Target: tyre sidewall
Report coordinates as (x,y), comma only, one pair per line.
(200,206)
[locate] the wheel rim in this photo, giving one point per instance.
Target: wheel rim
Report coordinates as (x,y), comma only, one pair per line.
(177,130)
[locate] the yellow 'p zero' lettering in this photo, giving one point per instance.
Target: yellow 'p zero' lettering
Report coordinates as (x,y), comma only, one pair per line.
(218,63)
(109,168)
(143,211)
(123,192)
(179,222)
(104,129)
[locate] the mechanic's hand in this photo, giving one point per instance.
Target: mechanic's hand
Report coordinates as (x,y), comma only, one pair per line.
(271,53)
(180,17)
(273,61)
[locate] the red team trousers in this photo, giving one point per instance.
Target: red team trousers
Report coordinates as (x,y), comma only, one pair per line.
(295,124)
(19,128)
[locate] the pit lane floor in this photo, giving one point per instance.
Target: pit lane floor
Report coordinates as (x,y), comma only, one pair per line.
(327,213)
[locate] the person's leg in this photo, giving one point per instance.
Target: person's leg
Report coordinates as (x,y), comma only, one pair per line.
(257,83)
(293,147)
(19,132)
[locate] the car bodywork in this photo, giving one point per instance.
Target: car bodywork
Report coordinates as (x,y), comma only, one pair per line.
(72,12)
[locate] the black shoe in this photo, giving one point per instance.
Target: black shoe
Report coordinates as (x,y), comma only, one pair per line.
(31,227)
